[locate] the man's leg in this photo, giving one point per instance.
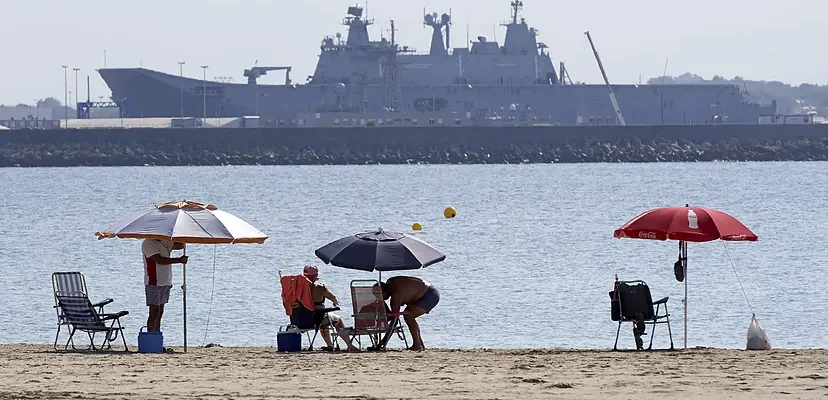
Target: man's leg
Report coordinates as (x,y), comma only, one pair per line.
(414,327)
(149,294)
(326,336)
(158,318)
(423,306)
(164,297)
(340,326)
(152,318)
(324,321)
(156,308)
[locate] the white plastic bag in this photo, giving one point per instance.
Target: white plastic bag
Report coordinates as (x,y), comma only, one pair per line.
(757,339)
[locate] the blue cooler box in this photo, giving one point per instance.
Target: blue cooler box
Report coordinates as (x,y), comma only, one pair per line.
(289,339)
(150,342)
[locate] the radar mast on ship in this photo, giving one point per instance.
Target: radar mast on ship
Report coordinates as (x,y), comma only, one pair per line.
(520,38)
(516,7)
(437,46)
(357,27)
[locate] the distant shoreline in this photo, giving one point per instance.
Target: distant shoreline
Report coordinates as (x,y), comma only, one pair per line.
(446,145)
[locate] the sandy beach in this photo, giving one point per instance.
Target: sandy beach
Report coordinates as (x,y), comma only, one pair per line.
(37,371)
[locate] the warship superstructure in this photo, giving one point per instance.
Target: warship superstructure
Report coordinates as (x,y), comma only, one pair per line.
(486,81)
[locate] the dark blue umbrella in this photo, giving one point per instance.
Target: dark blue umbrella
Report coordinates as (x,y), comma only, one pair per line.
(379,251)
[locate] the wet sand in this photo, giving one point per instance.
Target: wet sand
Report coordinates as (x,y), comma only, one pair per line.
(37,371)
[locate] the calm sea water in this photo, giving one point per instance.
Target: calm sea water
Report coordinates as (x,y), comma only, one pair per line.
(530,256)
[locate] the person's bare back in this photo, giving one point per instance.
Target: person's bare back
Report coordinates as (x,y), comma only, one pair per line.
(405,290)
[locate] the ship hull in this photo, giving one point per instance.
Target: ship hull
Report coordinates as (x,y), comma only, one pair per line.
(147,93)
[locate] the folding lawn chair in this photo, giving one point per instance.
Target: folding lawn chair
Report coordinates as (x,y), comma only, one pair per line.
(372,317)
(71,284)
(80,315)
(631,302)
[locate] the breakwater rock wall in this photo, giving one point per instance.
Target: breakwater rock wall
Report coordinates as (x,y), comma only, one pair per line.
(389,145)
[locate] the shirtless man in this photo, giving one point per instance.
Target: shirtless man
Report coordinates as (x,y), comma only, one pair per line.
(319,293)
(418,296)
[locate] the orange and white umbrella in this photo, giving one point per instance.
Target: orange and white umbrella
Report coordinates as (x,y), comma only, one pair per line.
(186,222)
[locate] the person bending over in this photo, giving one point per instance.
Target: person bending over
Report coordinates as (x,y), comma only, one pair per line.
(418,296)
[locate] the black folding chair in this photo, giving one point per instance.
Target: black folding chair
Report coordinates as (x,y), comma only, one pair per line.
(314,320)
(71,284)
(631,302)
(81,315)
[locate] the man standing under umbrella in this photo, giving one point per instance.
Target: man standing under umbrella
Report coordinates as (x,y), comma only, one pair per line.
(158,277)
(418,296)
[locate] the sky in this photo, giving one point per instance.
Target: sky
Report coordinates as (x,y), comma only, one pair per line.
(755,39)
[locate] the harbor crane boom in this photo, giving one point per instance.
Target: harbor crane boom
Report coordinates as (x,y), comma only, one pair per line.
(615,106)
(256,72)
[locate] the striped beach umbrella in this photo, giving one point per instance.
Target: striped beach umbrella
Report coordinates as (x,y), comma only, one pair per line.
(186,222)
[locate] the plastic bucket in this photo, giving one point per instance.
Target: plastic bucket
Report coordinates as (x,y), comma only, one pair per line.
(289,339)
(150,342)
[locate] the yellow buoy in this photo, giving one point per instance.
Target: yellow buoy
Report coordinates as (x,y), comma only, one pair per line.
(450,212)
(417,226)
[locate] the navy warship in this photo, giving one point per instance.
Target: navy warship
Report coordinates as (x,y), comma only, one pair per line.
(485,81)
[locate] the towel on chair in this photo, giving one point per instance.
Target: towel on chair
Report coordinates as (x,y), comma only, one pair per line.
(296,288)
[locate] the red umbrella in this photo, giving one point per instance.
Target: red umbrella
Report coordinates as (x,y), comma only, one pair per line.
(685,224)
(690,224)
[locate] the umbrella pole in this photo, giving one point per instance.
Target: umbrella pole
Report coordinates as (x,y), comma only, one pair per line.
(184,291)
(684,264)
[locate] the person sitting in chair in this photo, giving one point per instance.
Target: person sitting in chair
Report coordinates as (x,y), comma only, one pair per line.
(379,306)
(319,293)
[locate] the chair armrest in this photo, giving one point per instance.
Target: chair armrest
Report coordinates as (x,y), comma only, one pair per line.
(661,301)
(114,316)
(396,314)
(324,310)
(102,303)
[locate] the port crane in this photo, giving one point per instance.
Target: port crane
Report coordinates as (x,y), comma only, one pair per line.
(257,72)
(614,101)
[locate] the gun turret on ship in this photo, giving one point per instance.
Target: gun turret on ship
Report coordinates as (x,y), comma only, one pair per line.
(358,77)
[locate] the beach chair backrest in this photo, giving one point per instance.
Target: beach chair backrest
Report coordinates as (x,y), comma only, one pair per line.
(369,307)
(635,299)
(67,284)
(78,311)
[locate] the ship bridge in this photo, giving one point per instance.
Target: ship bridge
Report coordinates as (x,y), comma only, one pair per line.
(360,61)
(520,38)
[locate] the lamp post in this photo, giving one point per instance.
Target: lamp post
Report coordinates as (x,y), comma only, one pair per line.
(77,93)
(181,74)
(122,108)
(204,67)
(65,95)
